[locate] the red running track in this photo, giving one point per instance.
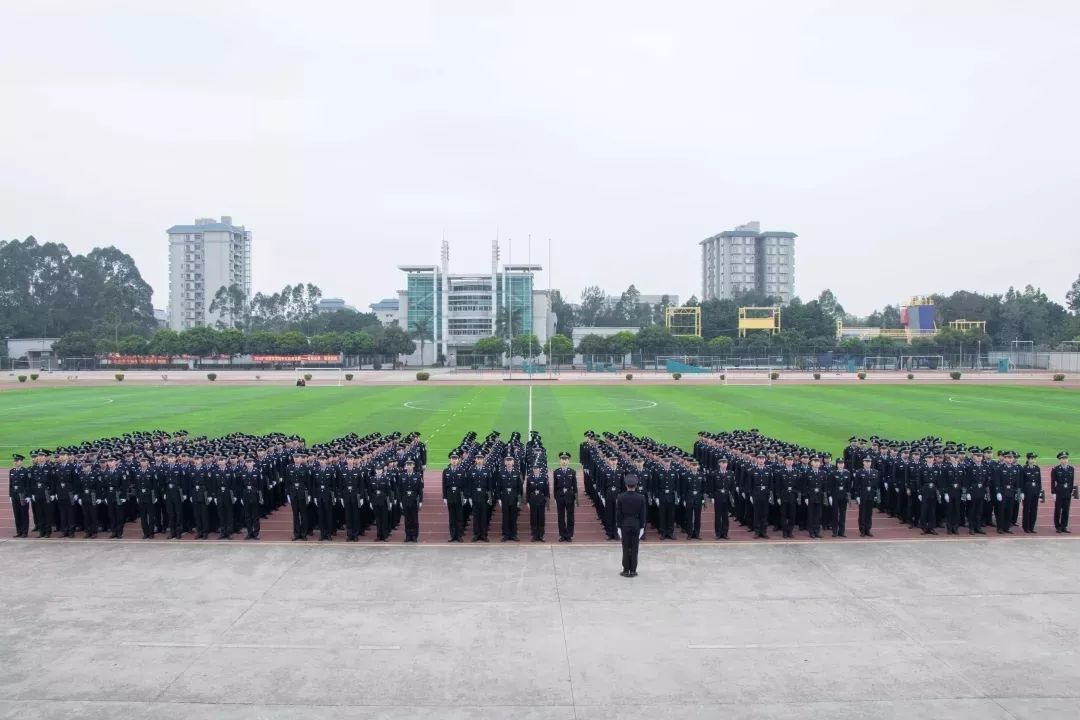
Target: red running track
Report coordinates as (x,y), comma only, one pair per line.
(588,528)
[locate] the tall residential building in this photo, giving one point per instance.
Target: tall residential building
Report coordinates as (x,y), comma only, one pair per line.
(456,310)
(746,259)
(203,258)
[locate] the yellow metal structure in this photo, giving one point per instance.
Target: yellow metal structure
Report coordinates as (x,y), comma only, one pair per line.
(966,325)
(683,321)
(759,318)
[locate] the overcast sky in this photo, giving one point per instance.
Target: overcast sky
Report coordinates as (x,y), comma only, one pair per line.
(914,146)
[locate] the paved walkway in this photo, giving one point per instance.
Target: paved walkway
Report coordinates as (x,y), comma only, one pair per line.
(979,629)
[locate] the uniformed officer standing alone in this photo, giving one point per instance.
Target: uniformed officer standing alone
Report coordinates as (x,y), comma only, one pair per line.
(1063,488)
(630,510)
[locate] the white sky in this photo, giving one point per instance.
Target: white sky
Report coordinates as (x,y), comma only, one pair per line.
(914,147)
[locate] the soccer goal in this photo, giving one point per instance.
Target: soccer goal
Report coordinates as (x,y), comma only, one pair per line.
(922,362)
(879,362)
(321,376)
(755,376)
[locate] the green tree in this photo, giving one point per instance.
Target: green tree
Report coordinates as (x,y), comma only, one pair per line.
(720,345)
(655,340)
(394,343)
(1072,298)
(360,344)
(559,349)
(594,345)
(564,314)
(593,306)
(77,344)
(262,342)
(166,342)
(231,342)
(200,341)
(492,348)
(622,343)
(134,346)
(292,342)
(230,303)
(525,345)
(328,343)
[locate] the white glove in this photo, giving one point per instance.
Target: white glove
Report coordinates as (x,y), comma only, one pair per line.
(619,530)
(751,499)
(946,497)
(641,533)
(999,497)
(968,497)
(858,500)
(53,498)
(920,497)
(886,486)
(806,501)
(315,500)
(420,506)
(830,501)
(444,501)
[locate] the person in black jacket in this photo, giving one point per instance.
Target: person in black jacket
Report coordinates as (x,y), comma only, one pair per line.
(630,509)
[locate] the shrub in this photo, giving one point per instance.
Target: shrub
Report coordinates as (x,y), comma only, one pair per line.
(723,377)
(376,366)
(677,376)
(34,376)
(1058,377)
(911,376)
(423,375)
(861,375)
(774,376)
(629,376)
(817,376)
(22,378)
(211,376)
(349,376)
(119,377)
(955,374)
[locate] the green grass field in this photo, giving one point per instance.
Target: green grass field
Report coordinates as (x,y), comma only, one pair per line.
(1044,419)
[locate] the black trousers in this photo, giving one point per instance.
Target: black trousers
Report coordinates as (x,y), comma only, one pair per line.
(666,516)
(299,519)
(813,517)
(693,519)
(201,511)
(352,516)
(1031,511)
(22,516)
(721,519)
(564,511)
(411,516)
(761,514)
(116,517)
(866,514)
(609,513)
(456,518)
(975,512)
(952,513)
(509,520)
(224,507)
(928,511)
(537,511)
(630,544)
(67,513)
(1005,513)
(788,513)
(382,521)
(326,517)
(42,516)
(146,516)
(251,517)
(1062,501)
(840,513)
(174,514)
(480,516)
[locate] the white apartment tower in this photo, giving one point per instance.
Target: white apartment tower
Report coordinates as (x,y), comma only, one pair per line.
(203,258)
(747,259)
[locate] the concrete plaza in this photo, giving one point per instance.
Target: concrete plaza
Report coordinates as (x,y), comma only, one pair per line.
(976,629)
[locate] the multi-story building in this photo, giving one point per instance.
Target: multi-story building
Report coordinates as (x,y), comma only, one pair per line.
(204,258)
(746,259)
(330,305)
(386,310)
(447,313)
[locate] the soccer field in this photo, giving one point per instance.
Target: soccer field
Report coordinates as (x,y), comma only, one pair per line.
(1043,419)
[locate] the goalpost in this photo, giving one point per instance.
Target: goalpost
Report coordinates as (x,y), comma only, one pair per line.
(755,376)
(922,362)
(321,376)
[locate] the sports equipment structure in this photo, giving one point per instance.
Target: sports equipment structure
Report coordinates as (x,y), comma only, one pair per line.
(922,362)
(322,376)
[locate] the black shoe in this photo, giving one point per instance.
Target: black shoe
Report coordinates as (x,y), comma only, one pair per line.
(1067,531)
(633,573)
(569,539)
(484,539)
(869,534)
(980,531)
(843,534)
(624,573)
(1008,531)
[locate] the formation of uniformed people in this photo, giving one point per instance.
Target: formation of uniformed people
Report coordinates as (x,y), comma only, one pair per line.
(931,484)
(175,484)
